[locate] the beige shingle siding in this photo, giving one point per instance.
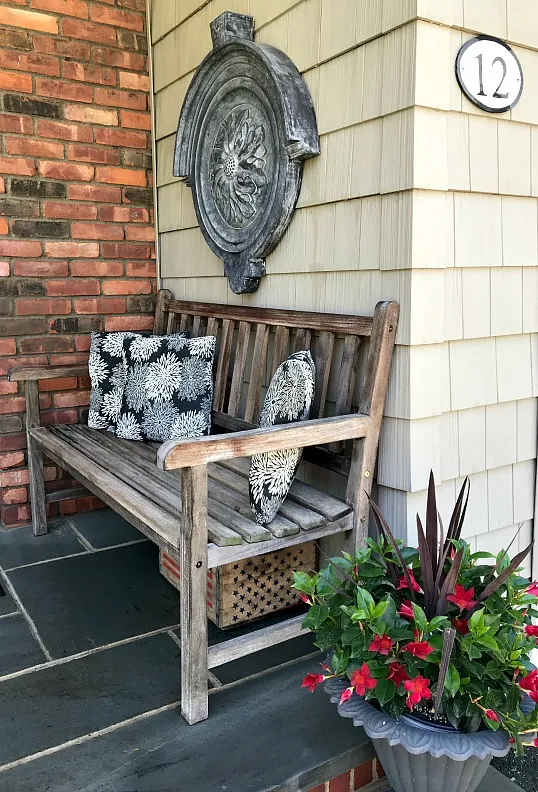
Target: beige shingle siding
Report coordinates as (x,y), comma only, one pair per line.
(417,196)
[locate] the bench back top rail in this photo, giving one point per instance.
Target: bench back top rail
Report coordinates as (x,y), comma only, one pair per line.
(252,342)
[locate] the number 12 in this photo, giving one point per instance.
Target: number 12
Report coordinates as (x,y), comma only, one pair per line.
(496,95)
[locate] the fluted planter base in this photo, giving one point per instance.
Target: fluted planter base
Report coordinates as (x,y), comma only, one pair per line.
(421,757)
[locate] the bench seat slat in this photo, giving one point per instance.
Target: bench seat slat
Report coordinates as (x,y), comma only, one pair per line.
(327,505)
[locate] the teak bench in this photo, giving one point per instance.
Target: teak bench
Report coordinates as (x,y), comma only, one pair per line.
(208,520)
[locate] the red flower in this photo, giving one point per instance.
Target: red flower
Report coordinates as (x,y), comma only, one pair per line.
(405,585)
(420,649)
(304,598)
(492,716)
(362,680)
(461,625)
(397,673)
(533,589)
(531,630)
(418,689)
(381,644)
(311,681)
(461,598)
(530,684)
(535,743)
(346,694)
(406,610)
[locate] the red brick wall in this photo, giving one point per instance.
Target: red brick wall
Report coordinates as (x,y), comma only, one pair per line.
(364,776)
(76,233)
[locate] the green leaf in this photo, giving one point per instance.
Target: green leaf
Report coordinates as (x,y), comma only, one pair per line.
(452,680)
(437,622)
(384,691)
(316,616)
(380,609)
(365,601)
(327,638)
(420,618)
(304,582)
(488,641)
(476,622)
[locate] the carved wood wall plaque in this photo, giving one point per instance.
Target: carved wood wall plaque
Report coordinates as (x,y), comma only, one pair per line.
(245,128)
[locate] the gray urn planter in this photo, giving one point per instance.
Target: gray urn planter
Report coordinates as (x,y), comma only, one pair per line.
(419,757)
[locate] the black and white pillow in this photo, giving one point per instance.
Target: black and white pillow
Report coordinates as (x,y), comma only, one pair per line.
(108,375)
(289,398)
(169,388)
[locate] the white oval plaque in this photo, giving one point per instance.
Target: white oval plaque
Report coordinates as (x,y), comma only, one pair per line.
(489,74)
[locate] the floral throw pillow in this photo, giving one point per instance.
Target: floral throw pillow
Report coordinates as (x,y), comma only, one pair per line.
(169,388)
(107,374)
(289,398)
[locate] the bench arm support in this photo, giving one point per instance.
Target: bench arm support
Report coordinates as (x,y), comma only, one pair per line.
(25,373)
(189,453)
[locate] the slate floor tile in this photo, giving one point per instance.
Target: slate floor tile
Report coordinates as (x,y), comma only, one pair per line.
(266,659)
(18,546)
(6,602)
(104,528)
(18,647)
(91,600)
(53,705)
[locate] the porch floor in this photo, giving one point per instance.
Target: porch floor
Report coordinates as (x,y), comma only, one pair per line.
(89,681)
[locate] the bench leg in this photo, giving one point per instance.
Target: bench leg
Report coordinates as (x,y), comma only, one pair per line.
(193,594)
(35,462)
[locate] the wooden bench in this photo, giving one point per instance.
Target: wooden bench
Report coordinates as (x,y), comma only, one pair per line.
(208,518)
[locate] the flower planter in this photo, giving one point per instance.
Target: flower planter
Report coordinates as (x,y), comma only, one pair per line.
(422,757)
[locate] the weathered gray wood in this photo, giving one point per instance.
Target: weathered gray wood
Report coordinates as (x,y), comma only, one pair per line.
(171,323)
(183,323)
(299,515)
(135,465)
(66,494)
(346,381)
(161,307)
(257,371)
(27,373)
(212,326)
(321,502)
(303,340)
(372,402)
(193,590)
(224,496)
(241,350)
(196,326)
(35,461)
(230,650)
(234,519)
(185,453)
(280,351)
(324,354)
(225,555)
(333,323)
(153,521)
(223,364)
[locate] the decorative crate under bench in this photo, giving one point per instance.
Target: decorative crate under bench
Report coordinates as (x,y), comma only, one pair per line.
(245,590)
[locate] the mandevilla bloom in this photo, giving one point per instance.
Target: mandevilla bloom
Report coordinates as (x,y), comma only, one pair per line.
(492,716)
(462,598)
(311,681)
(418,689)
(397,673)
(381,644)
(304,598)
(531,630)
(530,685)
(461,625)
(420,649)
(403,584)
(362,680)
(533,589)
(345,695)
(406,610)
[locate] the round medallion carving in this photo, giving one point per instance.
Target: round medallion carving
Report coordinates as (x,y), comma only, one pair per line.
(246,126)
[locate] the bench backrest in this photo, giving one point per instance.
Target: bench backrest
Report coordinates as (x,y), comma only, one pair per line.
(252,342)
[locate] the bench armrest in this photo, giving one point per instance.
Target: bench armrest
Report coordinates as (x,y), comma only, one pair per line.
(47,372)
(201,450)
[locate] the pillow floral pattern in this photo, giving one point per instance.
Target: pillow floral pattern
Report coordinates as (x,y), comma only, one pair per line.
(108,376)
(289,398)
(169,388)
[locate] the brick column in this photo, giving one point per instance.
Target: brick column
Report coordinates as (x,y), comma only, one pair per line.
(76,225)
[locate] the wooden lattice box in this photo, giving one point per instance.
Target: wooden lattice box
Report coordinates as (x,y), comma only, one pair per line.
(249,589)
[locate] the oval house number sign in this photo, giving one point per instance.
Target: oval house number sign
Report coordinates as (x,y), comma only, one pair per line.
(489,74)
(245,128)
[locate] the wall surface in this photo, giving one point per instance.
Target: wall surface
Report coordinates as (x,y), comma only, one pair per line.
(75,206)
(417,196)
